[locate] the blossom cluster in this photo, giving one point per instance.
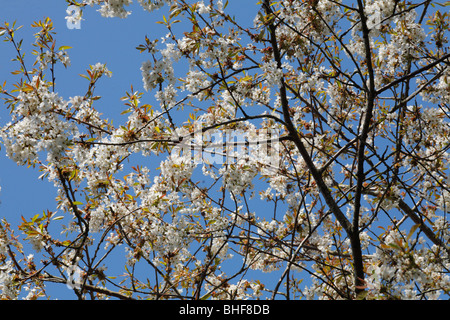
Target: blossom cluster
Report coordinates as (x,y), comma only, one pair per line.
(352,191)
(117,8)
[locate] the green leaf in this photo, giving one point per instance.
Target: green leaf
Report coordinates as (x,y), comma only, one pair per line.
(64,48)
(413,229)
(77,203)
(395,246)
(362,295)
(206,296)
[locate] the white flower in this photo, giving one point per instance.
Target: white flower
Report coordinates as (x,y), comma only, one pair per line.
(202,8)
(272,73)
(167,96)
(151,5)
(101,69)
(6,281)
(115,8)
(171,52)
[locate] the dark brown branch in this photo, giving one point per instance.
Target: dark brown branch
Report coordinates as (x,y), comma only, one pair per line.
(295,137)
(360,175)
(414,216)
(88,287)
(414,73)
(422,226)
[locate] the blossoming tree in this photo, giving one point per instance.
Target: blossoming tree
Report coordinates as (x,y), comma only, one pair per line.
(348,194)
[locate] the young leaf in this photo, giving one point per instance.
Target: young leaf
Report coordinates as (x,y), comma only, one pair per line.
(64,48)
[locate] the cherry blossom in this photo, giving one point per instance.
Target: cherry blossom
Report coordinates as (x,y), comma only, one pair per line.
(308,144)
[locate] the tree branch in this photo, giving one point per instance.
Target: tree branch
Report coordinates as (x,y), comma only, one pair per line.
(414,73)
(295,137)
